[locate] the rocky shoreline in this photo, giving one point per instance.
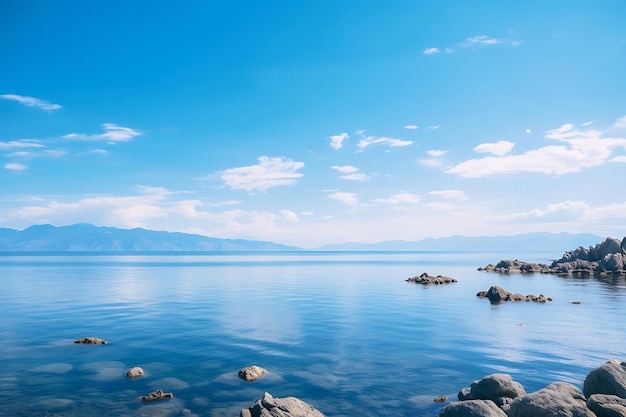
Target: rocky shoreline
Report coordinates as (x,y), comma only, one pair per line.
(608,257)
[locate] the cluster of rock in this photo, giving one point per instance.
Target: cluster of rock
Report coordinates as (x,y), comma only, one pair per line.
(157,395)
(90,341)
(269,406)
(427,279)
(497,395)
(497,294)
(606,257)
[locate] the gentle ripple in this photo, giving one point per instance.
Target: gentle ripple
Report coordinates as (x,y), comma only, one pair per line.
(342,331)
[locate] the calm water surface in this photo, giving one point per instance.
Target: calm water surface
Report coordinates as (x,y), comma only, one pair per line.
(342,331)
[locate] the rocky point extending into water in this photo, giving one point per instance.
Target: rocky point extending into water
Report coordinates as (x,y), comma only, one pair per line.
(606,257)
(498,395)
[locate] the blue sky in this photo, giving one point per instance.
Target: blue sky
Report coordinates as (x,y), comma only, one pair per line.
(309,123)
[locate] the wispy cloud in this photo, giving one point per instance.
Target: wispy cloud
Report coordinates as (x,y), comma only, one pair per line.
(289,215)
(473,42)
(269,172)
(15,166)
(558,212)
(578,150)
(499,148)
(31,102)
(336,141)
(434,158)
(411,127)
(621,122)
(449,194)
(391,142)
(20,144)
(350,199)
(350,173)
(112,133)
(399,198)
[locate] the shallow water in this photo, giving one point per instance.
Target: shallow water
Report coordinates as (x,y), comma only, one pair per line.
(342,331)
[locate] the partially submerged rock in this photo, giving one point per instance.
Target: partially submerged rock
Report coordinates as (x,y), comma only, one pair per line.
(91,341)
(426,279)
(135,372)
(251,373)
(157,395)
(606,257)
(472,408)
(269,406)
(499,388)
(497,294)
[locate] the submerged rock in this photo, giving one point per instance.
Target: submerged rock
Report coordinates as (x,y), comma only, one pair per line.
(269,406)
(497,294)
(91,341)
(251,373)
(427,279)
(157,395)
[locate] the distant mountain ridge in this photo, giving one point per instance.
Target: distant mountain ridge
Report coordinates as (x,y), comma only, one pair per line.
(540,241)
(85,237)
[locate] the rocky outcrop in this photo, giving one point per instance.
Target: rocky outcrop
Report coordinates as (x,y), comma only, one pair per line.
(603,395)
(135,372)
(269,406)
(251,373)
(559,399)
(608,256)
(157,395)
(426,279)
(90,341)
(497,294)
(610,378)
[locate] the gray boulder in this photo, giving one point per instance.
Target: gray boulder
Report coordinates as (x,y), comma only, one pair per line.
(609,378)
(251,373)
(499,388)
(157,395)
(269,406)
(135,372)
(472,408)
(607,405)
(497,294)
(427,279)
(558,399)
(90,341)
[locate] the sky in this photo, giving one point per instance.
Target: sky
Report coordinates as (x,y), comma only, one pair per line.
(315,122)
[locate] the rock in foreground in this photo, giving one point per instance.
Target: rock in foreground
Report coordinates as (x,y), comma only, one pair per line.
(135,372)
(426,279)
(157,395)
(609,378)
(497,294)
(251,373)
(269,406)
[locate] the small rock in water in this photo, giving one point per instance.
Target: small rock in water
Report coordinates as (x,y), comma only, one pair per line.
(251,373)
(157,395)
(135,372)
(91,341)
(427,279)
(441,399)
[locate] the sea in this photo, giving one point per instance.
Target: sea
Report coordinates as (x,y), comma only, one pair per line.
(343,331)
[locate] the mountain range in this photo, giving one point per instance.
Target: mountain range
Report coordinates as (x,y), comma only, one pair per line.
(87,237)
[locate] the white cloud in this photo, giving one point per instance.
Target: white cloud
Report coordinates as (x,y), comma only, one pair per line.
(336,141)
(621,122)
(411,127)
(434,127)
(18,144)
(620,158)
(528,131)
(15,166)
(486,40)
(346,198)
(31,102)
(270,172)
(559,212)
(579,150)
(345,169)
(112,133)
(449,194)
(436,153)
(435,160)
(431,51)
(391,142)
(499,148)
(400,198)
(355,177)
(289,215)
